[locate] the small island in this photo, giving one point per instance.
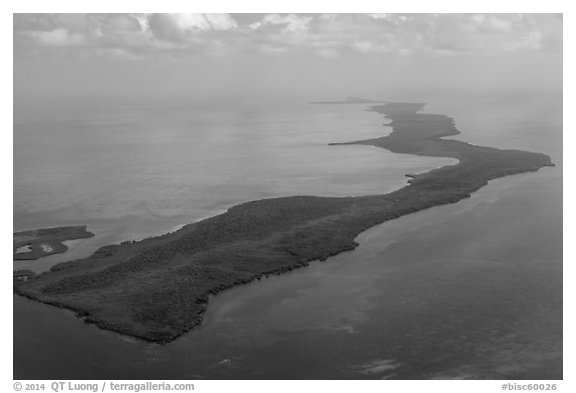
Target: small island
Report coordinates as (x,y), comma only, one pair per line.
(38,243)
(157,289)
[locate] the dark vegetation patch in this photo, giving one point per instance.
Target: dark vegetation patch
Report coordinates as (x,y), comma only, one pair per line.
(158,288)
(38,243)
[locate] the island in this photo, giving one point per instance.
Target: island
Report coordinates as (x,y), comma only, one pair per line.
(38,243)
(157,289)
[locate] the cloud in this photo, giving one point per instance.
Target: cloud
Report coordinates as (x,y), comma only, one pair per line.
(221,21)
(380,16)
(329,53)
(272,49)
(326,35)
(183,27)
(291,24)
(57,37)
(369,47)
(119,23)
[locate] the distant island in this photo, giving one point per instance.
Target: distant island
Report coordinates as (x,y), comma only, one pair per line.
(38,243)
(348,100)
(157,288)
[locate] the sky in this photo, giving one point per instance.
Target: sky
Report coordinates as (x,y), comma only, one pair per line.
(323,55)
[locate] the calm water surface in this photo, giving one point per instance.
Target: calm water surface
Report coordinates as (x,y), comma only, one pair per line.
(133,171)
(471,290)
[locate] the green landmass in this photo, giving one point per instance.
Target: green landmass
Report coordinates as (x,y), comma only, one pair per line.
(38,243)
(157,289)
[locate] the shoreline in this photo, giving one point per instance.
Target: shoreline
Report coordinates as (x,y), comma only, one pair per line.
(404,180)
(38,243)
(252,240)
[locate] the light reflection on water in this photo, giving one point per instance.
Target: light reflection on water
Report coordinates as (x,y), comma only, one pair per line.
(130,173)
(465,290)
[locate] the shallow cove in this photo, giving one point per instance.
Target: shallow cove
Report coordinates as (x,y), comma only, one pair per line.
(67,348)
(189,160)
(345,317)
(158,288)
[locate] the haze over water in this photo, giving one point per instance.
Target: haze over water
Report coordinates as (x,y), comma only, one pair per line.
(136,124)
(483,274)
(132,171)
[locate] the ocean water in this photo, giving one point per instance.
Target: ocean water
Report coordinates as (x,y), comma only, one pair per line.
(131,171)
(470,290)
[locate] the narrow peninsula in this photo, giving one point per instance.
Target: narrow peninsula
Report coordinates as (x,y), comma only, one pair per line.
(38,243)
(157,289)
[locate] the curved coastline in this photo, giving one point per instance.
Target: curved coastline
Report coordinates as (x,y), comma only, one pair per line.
(157,289)
(38,243)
